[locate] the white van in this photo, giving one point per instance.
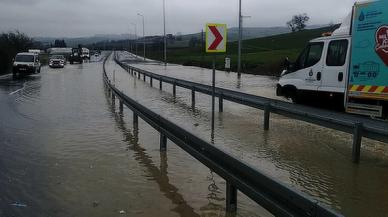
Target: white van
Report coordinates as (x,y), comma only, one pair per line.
(322,68)
(26,63)
(353,75)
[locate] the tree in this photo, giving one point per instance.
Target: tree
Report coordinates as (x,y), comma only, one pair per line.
(298,22)
(10,44)
(60,43)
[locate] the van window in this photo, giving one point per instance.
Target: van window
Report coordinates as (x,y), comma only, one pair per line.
(336,53)
(314,55)
(310,56)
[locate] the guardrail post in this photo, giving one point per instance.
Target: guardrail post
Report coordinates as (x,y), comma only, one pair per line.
(121,107)
(144,77)
(193,97)
(151,81)
(174,89)
(267,112)
(220,103)
(163,142)
(138,75)
(231,197)
(160,83)
(135,121)
(357,138)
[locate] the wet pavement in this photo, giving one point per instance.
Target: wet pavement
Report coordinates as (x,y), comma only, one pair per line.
(66,151)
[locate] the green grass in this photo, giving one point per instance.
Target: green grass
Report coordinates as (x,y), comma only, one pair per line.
(260,55)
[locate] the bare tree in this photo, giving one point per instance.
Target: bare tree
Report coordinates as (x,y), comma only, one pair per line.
(298,22)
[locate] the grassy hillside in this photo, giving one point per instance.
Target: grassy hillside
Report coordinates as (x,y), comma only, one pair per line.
(260,55)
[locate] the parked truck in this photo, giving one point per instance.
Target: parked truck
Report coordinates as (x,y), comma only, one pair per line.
(350,66)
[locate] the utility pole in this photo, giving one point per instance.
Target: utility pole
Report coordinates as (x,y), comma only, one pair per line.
(239,41)
(129,41)
(164,31)
(144,42)
(134,24)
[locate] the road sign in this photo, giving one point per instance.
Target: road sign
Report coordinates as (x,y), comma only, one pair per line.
(216,37)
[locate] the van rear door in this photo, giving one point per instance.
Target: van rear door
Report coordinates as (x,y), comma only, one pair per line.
(335,67)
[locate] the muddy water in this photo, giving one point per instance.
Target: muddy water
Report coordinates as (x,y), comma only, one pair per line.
(312,159)
(66,151)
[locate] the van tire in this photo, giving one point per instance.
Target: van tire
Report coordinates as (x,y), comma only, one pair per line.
(290,92)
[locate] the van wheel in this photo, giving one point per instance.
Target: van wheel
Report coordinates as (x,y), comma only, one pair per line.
(14,75)
(39,70)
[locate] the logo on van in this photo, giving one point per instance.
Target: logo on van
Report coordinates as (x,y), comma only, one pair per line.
(382,43)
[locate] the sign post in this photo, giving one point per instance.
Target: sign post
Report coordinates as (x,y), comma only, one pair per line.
(216,38)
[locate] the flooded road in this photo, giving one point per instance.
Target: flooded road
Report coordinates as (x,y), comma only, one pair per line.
(66,151)
(312,159)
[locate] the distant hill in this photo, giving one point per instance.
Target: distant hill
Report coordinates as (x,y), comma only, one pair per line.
(73,42)
(248,33)
(263,55)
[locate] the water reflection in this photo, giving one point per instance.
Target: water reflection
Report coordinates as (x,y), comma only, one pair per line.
(159,175)
(9,84)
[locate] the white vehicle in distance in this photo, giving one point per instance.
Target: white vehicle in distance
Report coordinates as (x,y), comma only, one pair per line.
(85,53)
(25,64)
(57,61)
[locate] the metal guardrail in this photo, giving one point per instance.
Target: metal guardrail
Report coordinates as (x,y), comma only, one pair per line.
(275,197)
(333,120)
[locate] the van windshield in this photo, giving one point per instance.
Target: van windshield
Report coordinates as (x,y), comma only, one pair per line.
(24,58)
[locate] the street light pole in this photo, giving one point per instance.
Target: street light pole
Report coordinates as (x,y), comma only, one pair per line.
(144,43)
(164,32)
(239,40)
(134,24)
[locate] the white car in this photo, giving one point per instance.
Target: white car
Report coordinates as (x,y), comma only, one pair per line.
(57,61)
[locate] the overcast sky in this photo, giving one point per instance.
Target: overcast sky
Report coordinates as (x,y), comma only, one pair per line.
(69,18)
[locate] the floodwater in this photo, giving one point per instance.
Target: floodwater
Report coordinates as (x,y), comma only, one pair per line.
(66,151)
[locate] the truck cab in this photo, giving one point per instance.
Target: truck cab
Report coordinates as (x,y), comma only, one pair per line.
(320,70)
(85,53)
(76,56)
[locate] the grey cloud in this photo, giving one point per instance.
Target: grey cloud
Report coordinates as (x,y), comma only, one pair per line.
(62,18)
